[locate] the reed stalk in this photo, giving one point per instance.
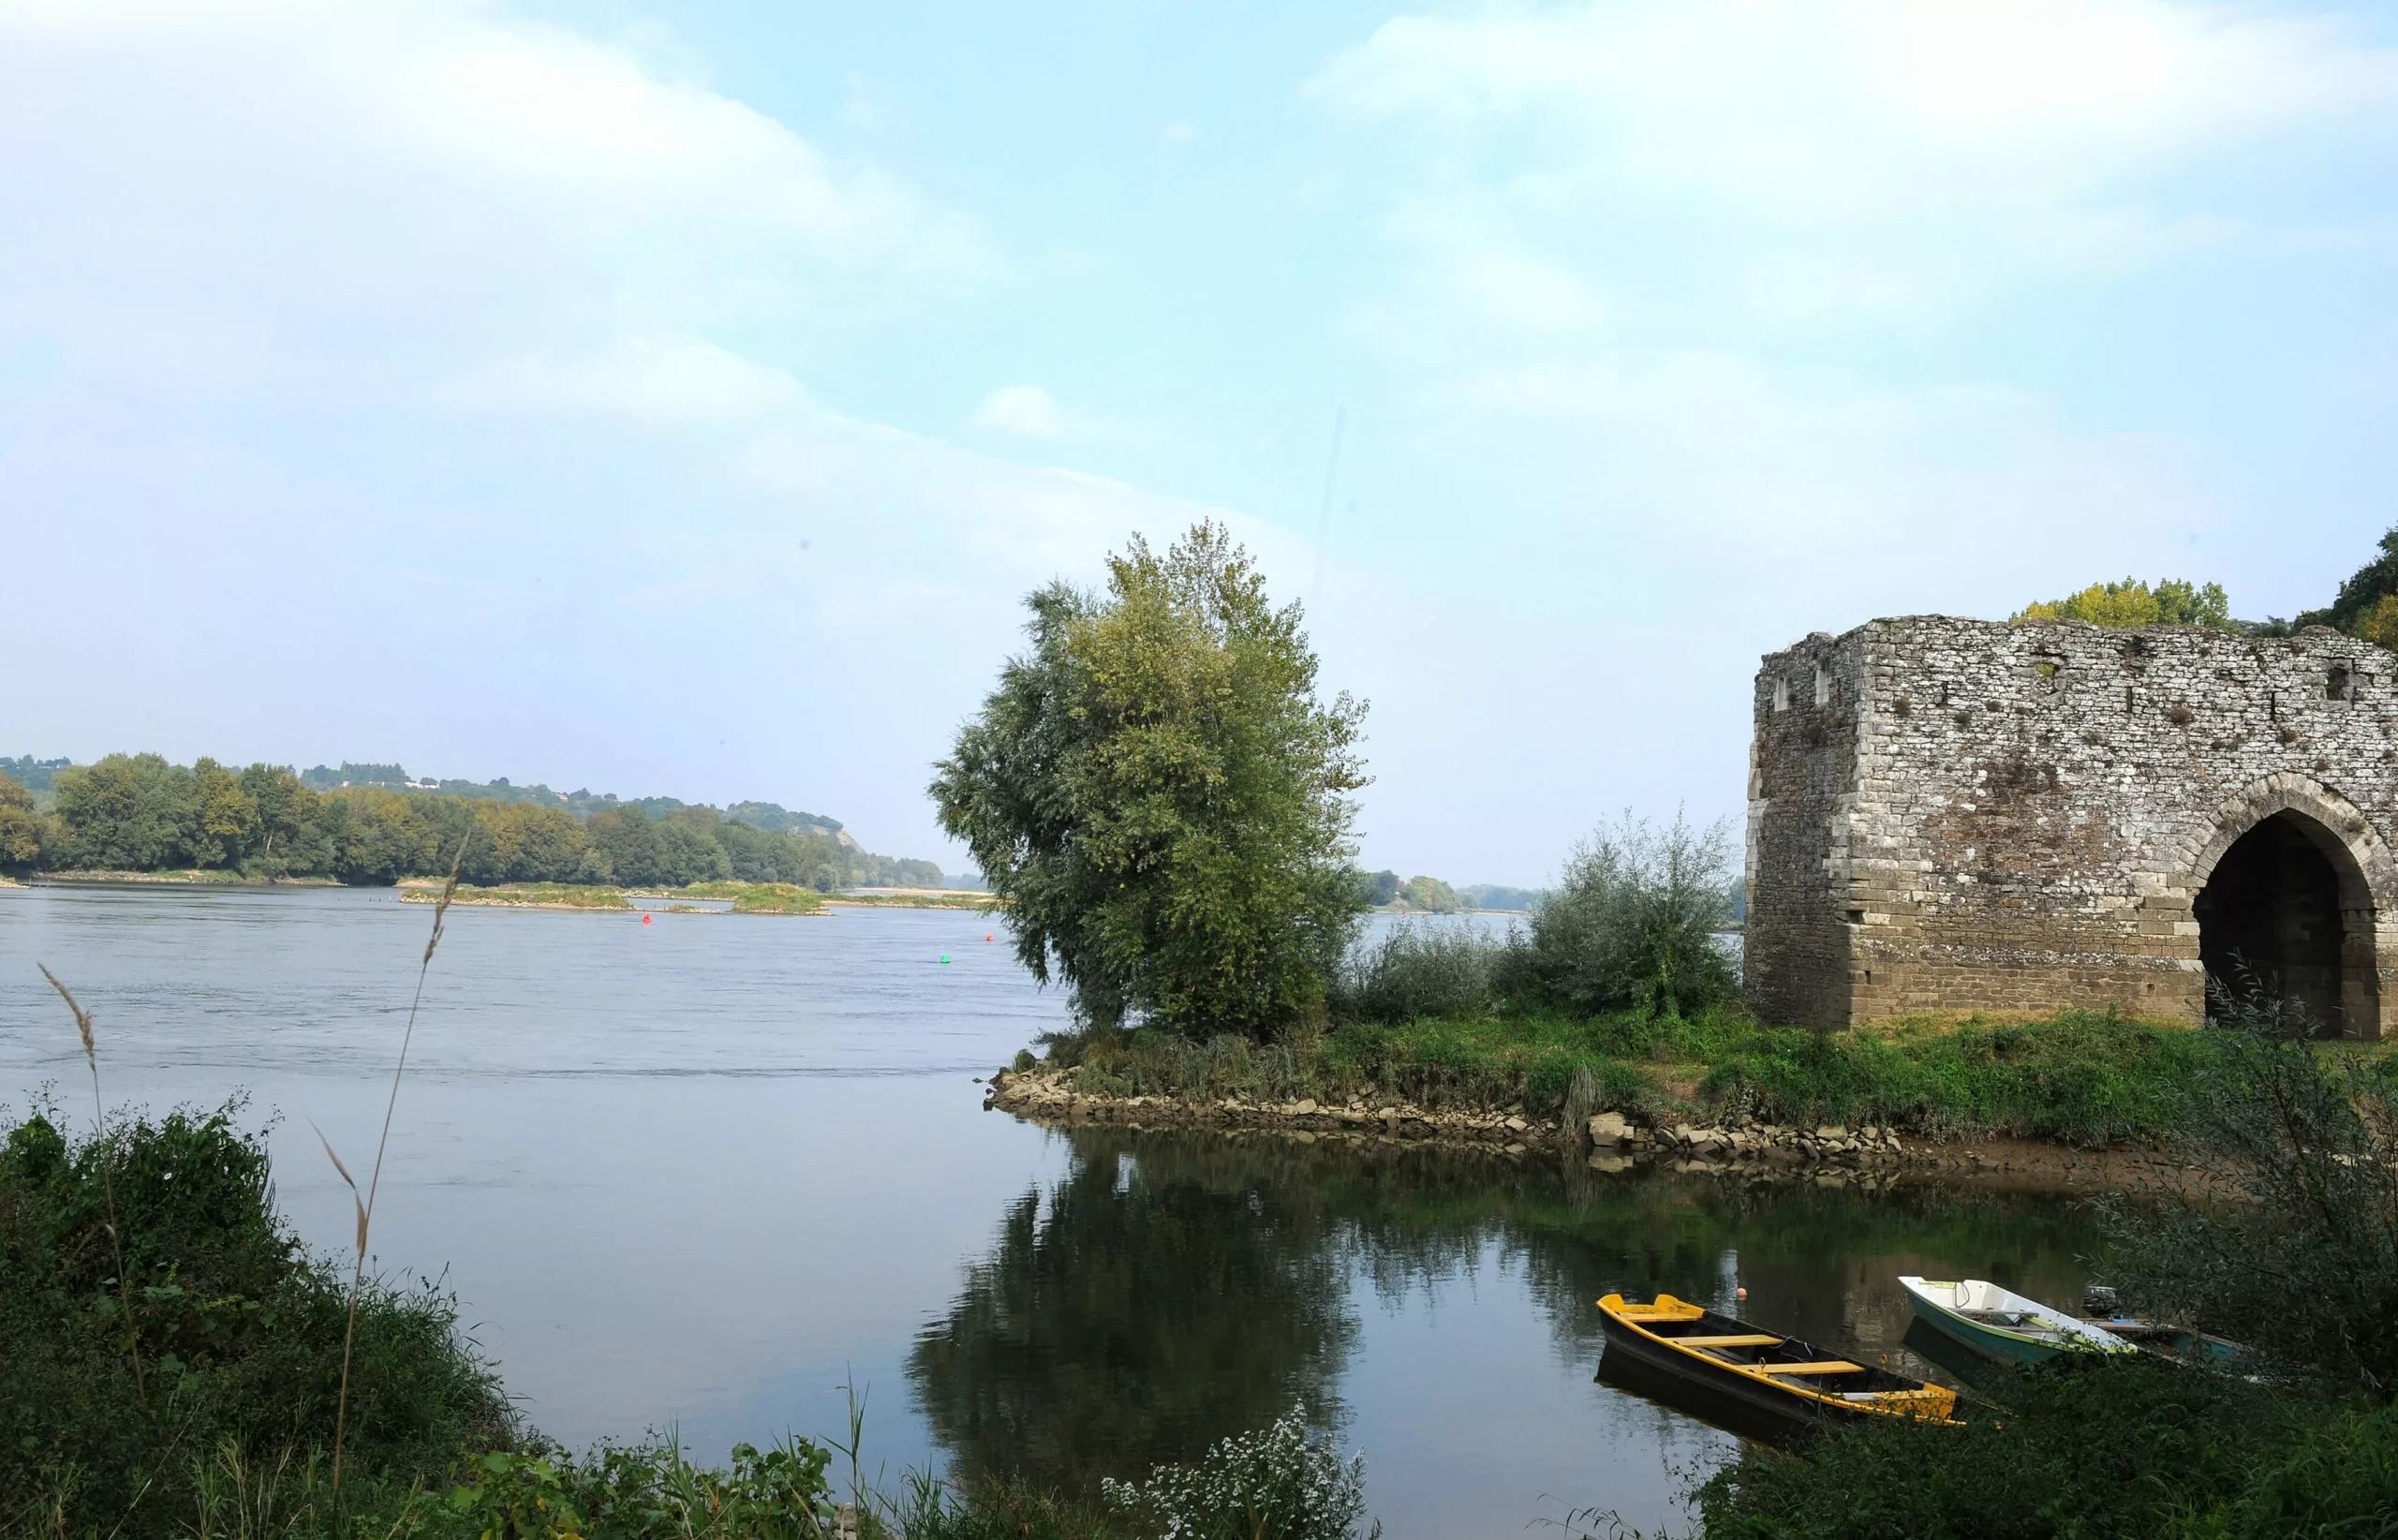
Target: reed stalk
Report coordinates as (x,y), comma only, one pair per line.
(108,1180)
(365,1206)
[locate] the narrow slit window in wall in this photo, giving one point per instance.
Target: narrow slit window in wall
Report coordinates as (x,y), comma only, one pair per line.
(1781,695)
(1823,685)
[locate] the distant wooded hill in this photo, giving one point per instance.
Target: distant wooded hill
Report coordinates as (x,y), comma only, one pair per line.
(771,817)
(371,823)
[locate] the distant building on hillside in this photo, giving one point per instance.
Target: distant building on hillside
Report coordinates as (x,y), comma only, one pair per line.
(1951,815)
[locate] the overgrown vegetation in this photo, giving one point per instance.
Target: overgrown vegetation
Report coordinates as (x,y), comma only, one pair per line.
(236,1329)
(2305,1268)
(2140,1447)
(1163,801)
(2077,1077)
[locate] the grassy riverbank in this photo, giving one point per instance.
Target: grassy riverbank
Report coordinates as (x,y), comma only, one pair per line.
(2076,1077)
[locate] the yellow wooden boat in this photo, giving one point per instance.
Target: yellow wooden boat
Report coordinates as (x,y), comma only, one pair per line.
(1763,1371)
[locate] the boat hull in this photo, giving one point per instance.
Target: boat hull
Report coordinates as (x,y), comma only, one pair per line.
(2001,1345)
(1662,1370)
(1724,1362)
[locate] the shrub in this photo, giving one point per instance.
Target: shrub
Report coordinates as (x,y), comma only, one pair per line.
(2307,1270)
(1271,1485)
(238,1328)
(1420,971)
(2133,1447)
(1633,925)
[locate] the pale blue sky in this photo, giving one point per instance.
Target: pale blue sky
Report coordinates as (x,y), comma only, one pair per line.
(680,399)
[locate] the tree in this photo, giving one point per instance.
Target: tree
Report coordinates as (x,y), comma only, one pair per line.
(221,826)
(1632,923)
(285,811)
(1432,895)
(1161,800)
(20,825)
(2131,602)
(2362,594)
(127,813)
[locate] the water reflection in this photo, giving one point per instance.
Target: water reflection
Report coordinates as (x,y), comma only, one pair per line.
(1170,1289)
(1140,1310)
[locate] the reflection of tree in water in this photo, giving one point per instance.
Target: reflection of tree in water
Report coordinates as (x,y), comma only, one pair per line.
(1135,1322)
(1140,1320)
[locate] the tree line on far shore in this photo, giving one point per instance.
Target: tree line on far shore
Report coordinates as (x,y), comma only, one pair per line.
(140,813)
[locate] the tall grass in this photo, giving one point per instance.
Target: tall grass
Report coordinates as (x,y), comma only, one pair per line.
(365,1206)
(108,1183)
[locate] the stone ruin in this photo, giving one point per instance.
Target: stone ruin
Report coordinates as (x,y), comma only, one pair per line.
(1959,815)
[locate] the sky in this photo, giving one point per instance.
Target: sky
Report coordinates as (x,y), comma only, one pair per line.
(682,399)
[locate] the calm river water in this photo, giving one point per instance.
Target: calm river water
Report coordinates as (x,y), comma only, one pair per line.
(701,1172)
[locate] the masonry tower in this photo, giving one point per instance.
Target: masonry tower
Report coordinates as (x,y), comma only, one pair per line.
(1950,815)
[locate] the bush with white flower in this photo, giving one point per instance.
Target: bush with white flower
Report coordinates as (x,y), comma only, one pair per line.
(1270,1485)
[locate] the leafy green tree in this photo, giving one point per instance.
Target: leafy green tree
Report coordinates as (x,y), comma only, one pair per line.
(1432,895)
(20,825)
(222,823)
(284,808)
(2361,595)
(127,813)
(1161,800)
(2132,602)
(1381,887)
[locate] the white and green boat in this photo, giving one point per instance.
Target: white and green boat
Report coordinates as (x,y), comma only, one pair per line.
(2001,1324)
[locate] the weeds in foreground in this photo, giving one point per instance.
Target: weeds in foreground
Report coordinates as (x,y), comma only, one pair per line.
(2306,1271)
(1275,1481)
(108,1183)
(374,1182)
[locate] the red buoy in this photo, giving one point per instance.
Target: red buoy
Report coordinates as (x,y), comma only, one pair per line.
(645,916)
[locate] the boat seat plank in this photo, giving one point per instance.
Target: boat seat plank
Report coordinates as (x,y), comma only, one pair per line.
(1759,1339)
(1828,1366)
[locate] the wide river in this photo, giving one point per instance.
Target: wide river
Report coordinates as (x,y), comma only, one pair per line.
(701,1173)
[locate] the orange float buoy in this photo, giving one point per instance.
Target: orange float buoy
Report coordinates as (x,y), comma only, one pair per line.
(645,916)
(987,938)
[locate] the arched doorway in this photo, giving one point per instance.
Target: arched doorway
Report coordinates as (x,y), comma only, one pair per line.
(2278,908)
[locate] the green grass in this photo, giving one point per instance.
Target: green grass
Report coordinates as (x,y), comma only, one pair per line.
(2076,1077)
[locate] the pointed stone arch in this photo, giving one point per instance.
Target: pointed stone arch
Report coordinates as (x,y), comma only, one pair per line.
(2263,842)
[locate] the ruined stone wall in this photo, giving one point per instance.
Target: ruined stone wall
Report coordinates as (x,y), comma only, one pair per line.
(1951,815)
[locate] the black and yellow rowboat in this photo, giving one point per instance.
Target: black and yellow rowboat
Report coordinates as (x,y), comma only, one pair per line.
(1785,1378)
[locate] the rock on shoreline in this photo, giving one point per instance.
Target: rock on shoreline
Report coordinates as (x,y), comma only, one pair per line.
(1609,1141)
